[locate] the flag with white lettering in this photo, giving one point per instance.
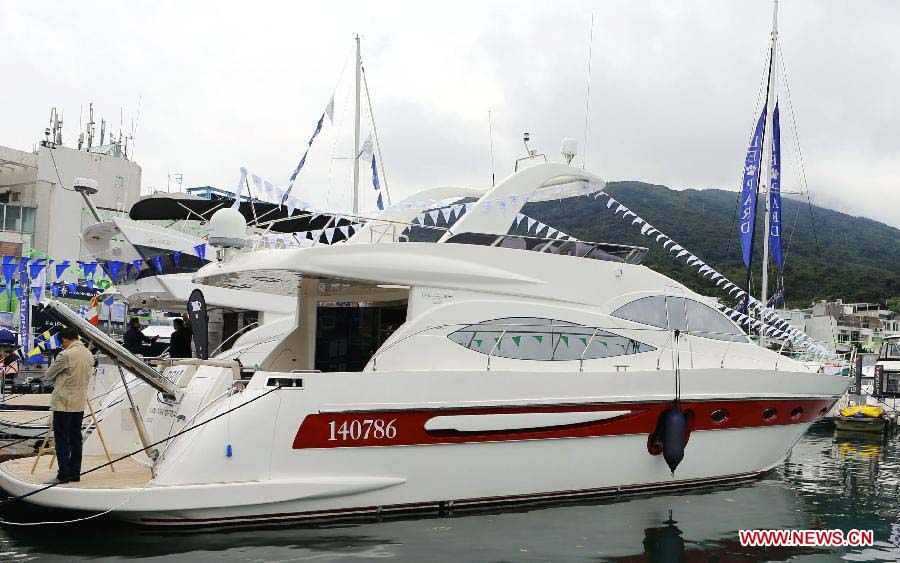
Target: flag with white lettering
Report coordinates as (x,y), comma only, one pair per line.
(747,216)
(775,193)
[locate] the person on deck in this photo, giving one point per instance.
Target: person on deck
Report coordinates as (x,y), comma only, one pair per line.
(70,374)
(180,341)
(134,339)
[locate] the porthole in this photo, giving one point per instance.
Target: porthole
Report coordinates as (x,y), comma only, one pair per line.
(719,416)
(796,413)
(769,414)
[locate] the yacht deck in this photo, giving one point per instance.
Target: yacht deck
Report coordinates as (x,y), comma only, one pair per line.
(128,473)
(27,400)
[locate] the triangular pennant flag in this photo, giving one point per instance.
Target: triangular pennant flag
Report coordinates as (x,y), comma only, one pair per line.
(550,232)
(345,230)
(255,241)
(176,258)
(610,203)
(530,223)
(519,218)
(434,215)
(517,340)
(137,265)
(72,287)
(329,234)
(90,269)
(114,267)
(157,262)
(538,337)
(272,239)
(445,214)
(200,249)
(564,338)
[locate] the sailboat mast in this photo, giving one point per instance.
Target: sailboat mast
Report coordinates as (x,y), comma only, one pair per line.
(356,132)
(766,160)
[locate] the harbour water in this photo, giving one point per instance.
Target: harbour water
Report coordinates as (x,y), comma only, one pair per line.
(830,481)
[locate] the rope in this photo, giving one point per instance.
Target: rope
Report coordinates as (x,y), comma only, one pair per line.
(166,439)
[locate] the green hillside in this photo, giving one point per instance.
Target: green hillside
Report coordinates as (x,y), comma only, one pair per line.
(852,258)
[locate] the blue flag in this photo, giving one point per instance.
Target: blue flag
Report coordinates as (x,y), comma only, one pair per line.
(61,268)
(72,287)
(36,267)
(176,258)
(23,263)
(90,268)
(9,269)
(137,264)
(375,183)
(55,289)
(114,267)
(201,251)
(775,193)
(747,216)
(306,152)
(157,263)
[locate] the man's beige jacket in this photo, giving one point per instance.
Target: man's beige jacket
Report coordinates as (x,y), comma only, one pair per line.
(70,375)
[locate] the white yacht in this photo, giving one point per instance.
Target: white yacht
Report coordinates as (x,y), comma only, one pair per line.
(524,368)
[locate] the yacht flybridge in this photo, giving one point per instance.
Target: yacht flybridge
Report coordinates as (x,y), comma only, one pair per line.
(516,368)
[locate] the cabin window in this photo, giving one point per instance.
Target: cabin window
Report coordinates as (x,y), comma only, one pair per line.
(528,338)
(678,313)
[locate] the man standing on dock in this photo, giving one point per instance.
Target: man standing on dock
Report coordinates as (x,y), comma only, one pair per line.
(70,374)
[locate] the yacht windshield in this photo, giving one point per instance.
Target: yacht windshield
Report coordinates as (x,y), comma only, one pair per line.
(890,349)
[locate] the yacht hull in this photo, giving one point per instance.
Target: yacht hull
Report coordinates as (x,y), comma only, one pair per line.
(293,457)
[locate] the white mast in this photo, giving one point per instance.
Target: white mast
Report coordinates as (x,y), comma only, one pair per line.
(356,134)
(766,160)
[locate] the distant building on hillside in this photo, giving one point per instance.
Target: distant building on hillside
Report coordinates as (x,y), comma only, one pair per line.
(841,326)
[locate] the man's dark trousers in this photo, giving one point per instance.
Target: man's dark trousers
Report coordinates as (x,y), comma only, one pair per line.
(67,437)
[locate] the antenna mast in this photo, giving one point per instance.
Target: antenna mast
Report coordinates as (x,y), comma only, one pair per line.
(766,161)
(356,133)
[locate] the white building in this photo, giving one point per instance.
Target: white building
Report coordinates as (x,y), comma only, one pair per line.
(39,209)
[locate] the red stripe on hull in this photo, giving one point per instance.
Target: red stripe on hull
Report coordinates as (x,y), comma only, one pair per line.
(407,428)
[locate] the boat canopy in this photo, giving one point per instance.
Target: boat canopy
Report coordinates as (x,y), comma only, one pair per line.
(271,216)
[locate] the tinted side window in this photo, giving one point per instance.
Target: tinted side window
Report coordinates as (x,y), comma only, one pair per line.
(646,310)
(707,322)
(679,313)
(544,339)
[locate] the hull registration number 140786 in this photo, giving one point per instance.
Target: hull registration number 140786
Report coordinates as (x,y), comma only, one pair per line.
(365,429)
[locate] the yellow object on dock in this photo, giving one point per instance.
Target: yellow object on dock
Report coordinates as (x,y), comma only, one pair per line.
(868,411)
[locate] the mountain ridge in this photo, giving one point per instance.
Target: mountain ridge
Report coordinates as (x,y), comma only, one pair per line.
(828,254)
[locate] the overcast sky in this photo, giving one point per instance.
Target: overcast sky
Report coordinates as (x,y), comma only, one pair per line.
(674,88)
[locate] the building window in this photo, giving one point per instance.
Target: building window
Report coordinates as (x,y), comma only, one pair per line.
(16,218)
(529,338)
(677,313)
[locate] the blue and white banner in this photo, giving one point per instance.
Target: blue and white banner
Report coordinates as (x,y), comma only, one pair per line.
(749,190)
(775,193)
(24,312)
(376,185)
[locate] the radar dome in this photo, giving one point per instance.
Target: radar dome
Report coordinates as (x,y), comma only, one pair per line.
(227,228)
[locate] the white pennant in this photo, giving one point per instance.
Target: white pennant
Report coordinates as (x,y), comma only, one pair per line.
(254,241)
(329,234)
(345,230)
(434,216)
(445,213)
(519,218)
(550,232)
(273,240)
(610,203)
(531,223)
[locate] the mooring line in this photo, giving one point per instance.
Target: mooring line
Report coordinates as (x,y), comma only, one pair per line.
(107,464)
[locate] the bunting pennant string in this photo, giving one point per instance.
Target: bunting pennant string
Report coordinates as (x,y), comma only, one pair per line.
(773,325)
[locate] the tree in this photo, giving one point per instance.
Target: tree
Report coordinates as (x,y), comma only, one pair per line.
(894,304)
